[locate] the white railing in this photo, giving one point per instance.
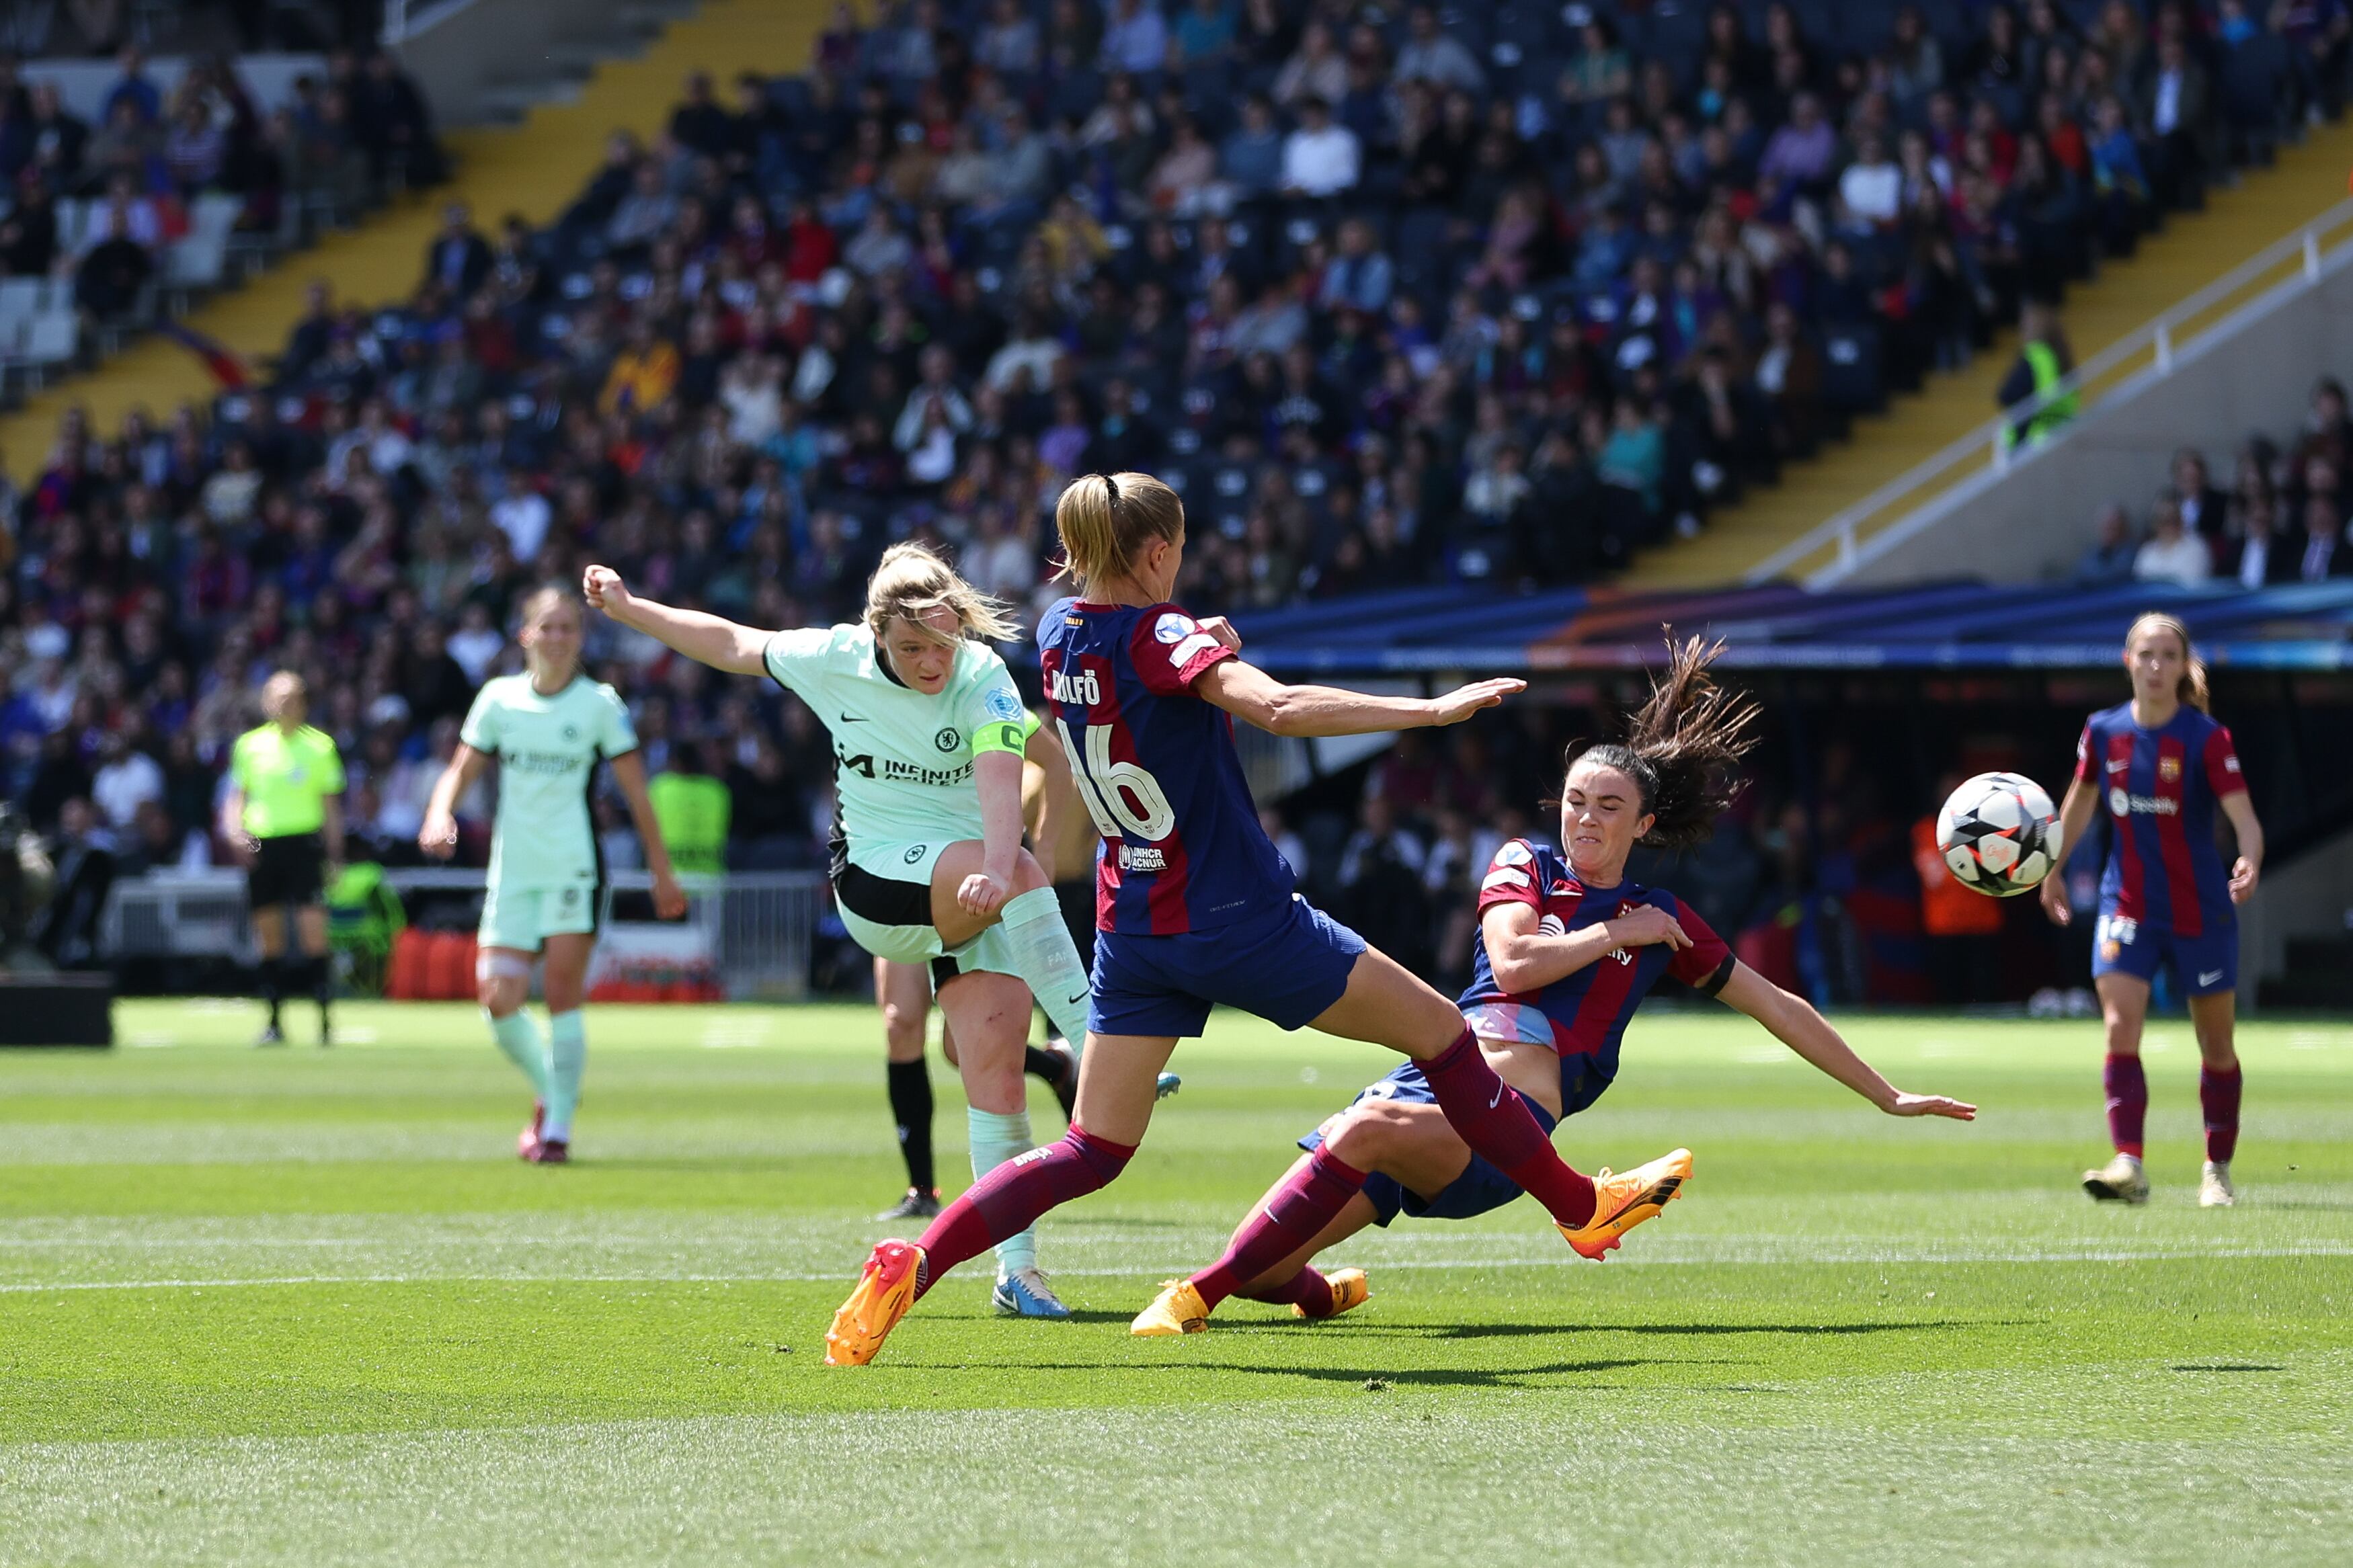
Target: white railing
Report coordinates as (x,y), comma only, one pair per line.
(1833,549)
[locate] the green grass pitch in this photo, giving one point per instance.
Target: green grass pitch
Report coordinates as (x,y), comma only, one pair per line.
(305,1307)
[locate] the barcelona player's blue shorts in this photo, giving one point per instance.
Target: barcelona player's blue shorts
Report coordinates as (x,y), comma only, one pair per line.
(1287,963)
(1480,1187)
(2203,966)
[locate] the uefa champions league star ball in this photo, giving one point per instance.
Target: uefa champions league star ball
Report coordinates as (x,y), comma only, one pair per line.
(1999,834)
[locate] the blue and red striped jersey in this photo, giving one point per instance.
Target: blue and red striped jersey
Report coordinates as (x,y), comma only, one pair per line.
(2161,787)
(1584,1016)
(1156,765)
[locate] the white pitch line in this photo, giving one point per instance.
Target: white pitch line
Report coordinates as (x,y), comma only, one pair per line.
(2105,1255)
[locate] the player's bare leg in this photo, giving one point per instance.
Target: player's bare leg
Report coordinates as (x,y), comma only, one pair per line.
(2124,1007)
(2214,1019)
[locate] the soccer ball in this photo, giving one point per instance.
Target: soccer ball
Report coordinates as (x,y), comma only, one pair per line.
(1999,834)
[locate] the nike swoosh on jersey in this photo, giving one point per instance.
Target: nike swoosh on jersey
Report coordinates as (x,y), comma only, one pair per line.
(1499,1095)
(853,719)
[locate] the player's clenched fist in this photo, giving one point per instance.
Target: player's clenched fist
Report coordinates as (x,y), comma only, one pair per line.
(602,588)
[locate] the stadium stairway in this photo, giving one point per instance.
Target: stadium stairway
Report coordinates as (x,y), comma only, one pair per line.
(535,168)
(2194,249)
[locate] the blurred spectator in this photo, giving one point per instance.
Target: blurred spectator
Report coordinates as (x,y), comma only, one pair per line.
(2112,554)
(2170,553)
(2321,549)
(127,779)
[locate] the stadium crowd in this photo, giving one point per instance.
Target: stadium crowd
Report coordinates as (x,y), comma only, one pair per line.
(345,139)
(2282,519)
(1501,294)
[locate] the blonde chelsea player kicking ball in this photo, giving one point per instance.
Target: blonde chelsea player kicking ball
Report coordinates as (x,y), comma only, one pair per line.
(548,728)
(927,864)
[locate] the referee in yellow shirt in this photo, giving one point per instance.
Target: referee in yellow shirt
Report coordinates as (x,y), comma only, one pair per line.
(284,818)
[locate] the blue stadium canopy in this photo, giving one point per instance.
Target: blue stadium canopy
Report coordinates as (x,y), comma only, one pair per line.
(1957,626)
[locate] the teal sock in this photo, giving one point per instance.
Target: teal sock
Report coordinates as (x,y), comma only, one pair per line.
(567,1058)
(994,1140)
(519,1038)
(1038,949)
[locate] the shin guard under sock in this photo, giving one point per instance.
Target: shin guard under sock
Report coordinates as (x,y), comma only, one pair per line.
(567,1061)
(1038,948)
(1289,1219)
(2127,1096)
(518,1036)
(994,1140)
(1011,1197)
(2217,1097)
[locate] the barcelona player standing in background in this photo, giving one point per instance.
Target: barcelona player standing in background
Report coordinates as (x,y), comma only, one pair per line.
(2159,765)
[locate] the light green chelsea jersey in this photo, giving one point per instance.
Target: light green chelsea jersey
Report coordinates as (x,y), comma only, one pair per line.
(547,748)
(902,761)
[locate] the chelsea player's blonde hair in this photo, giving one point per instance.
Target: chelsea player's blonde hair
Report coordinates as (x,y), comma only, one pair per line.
(912,581)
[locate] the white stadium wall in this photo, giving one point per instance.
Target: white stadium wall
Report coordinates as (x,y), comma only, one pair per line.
(2032,524)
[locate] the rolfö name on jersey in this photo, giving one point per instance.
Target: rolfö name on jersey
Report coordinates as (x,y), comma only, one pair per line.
(1080,689)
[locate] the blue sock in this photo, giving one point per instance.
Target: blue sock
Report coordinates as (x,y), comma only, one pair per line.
(518,1035)
(994,1140)
(567,1058)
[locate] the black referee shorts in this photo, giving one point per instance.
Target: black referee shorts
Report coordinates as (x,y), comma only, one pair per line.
(286,871)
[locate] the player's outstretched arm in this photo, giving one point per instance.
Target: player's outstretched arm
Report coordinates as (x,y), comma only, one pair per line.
(2074,817)
(1250,693)
(706,640)
(1793,1021)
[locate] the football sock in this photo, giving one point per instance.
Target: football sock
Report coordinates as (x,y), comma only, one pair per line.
(322,980)
(1039,947)
(994,1140)
(2128,1092)
(1011,1197)
(518,1035)
(1287,1220)
(911,1108)
(567,1058)
(1494,1122)
(2218,1095)
(273,984)
(1307,1290)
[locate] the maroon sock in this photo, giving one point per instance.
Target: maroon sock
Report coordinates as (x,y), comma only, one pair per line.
(2128,1088)
(1286,1222)
(1307,1290)
(2218,1094)
(1490,1119)
(1008,1200)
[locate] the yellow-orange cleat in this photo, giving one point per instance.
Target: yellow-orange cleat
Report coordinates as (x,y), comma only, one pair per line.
(1350,1290)
(1622,1201)
(886,1288)
(1178,1309)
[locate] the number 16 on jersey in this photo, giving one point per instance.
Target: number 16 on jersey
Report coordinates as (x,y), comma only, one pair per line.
(1122,797)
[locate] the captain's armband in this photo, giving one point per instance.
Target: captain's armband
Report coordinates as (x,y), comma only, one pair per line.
(999,735)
